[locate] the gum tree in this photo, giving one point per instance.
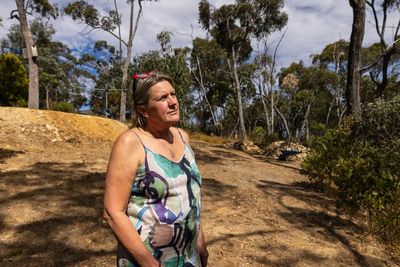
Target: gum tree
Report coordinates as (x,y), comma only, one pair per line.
(354,55)
(111,23)
(233,26)
(45,9)
(388,49)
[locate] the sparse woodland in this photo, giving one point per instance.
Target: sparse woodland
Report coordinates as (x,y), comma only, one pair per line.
(344,105)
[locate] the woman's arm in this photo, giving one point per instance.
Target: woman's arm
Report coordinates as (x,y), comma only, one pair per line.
(124,161)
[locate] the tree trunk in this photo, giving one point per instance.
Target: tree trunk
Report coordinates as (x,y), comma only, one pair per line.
(119,29)
(204,91)
(243,135)
(47,99)
(289,137)
(305,123)
(33,99)
(387,51)
(341,116)
(124,71)
(122,108)
(385,65)
(353,73)
(269,128)
(271,82)
(272,112)
(132,31)
(263,95)
(329,113)
(106,104)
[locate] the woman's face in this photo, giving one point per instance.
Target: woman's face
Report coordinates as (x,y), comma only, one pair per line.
(163,107)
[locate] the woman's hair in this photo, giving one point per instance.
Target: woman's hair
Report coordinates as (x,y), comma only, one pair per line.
(140,93)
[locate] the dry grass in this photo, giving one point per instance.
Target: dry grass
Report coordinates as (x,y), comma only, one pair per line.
(210,138)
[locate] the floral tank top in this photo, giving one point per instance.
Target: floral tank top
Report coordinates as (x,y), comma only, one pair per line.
(164,207)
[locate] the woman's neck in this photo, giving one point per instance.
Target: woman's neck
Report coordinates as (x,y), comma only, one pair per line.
(160,133)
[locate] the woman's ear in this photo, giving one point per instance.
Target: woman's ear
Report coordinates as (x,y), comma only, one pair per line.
(142,111)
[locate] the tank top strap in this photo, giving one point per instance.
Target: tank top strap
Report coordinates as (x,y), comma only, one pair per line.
(188,149)
(146,164)
(144,147)
(180,134)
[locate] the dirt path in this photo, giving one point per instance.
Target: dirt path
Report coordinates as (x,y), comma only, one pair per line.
(256,211)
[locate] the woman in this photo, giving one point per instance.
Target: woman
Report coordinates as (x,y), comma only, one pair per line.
(152,194)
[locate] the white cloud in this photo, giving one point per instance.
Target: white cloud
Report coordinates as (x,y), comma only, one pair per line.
(312,25)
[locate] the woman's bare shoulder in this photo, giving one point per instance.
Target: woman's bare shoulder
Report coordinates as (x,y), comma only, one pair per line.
(128,141)
(126,156)
(184,135)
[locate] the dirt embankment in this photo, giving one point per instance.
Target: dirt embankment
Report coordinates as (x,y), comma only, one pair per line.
(256,211)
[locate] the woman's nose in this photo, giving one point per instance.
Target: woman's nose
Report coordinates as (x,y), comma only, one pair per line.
(172,100)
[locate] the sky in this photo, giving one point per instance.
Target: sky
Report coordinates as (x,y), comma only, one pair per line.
(312,25)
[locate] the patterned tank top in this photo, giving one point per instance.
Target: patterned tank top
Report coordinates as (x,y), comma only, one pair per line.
(164,207)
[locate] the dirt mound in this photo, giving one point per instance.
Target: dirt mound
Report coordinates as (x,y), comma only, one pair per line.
(41,128)
(287,151)
(249,147)
(278,150)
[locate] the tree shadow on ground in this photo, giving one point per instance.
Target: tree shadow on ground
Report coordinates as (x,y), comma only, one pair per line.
(229,155)
(280,163)
(205,157)
(246,234)
(216,156)
(318,218)
(216,189)
(7,153)
(297,259)
(57,213)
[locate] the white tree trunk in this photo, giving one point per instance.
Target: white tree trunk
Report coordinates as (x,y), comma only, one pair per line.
(200,81)
(47,99)
(243,135)
(305,123)
(132,31)
(269,126)
(289,137)
(33,99)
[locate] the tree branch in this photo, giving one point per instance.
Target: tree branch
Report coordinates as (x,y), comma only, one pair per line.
(373,78)
(371,65)
(119,27)
(274,57)
(132,35)
(372,5)
(108,31)
(384,18)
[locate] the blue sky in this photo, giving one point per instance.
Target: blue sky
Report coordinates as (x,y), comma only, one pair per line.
(312,25)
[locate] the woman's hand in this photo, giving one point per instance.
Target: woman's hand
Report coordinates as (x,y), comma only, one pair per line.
(202,247)
(203,255)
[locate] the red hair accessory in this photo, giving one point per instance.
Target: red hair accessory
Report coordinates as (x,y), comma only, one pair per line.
(142,75)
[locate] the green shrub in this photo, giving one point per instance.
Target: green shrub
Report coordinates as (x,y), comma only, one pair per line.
(360,161)
(258,134)
(64,107)
(261,137)
(21,103)
(13,81)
